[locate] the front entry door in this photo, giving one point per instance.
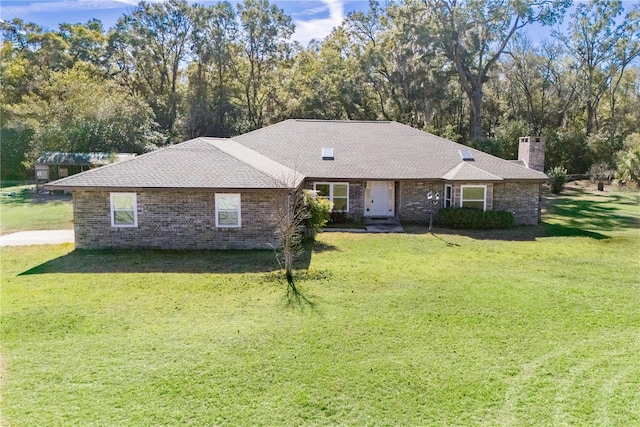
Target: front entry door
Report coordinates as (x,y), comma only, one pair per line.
(380,198)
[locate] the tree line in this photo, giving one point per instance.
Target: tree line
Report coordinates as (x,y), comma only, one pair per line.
(465,70)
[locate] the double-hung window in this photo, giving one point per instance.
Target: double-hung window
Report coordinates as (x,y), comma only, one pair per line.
(228,210)
(336,192)
(124,210)
(473,196)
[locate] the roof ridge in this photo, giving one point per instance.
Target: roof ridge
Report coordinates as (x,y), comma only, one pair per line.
(275,170)
(343,121)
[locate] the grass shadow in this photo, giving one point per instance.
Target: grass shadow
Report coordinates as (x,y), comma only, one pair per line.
(521,233)
(296,297)
(574,213)
(159,261)
(171,261)
(595,211)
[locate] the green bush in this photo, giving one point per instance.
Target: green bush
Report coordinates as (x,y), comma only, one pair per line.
(474,219)
(629,159)
(318,211)
(558,178)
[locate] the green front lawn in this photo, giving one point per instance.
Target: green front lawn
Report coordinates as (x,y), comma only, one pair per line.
(532,326)
(21,209)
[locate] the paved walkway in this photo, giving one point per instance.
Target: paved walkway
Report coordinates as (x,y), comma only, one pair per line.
(37,237)
(383,225)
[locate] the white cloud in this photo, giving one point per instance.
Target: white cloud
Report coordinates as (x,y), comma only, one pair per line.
(307,27)
(66,6)
(319,28)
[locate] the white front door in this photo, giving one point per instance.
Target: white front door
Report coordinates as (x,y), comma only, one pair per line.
(380,198)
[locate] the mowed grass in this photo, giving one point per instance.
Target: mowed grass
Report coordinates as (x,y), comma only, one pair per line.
(22,210)
(533,326)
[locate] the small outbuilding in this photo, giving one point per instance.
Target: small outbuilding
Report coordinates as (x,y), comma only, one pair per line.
(52,165)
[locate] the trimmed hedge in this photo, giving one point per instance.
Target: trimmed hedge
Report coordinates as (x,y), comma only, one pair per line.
(474,219)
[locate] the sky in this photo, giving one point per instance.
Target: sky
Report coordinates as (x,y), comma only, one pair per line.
(313,19)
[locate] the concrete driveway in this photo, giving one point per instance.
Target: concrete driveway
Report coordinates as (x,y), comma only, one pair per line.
(37,237)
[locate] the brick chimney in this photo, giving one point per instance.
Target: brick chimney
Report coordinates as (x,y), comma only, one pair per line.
(531,151)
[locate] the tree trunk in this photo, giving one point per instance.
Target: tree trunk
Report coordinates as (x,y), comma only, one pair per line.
(591,113)
(475,116)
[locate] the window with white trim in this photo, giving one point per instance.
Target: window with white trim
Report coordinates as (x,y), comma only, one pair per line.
(473,196)
(336,192)
(228,210)
(448,195)
(124,210)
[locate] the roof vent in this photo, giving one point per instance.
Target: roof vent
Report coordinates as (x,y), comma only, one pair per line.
(327,154)
(466,155)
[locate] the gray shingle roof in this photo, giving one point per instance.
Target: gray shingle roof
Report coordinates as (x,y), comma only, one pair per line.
(371,150)
(283,154)
(467,172)
(198,163)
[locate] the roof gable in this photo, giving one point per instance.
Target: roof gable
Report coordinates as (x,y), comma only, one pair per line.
(468,172)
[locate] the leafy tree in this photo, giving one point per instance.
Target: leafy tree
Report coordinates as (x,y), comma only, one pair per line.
(86,42)
(603,46)
(211,109)
(14,144)
(629,160)
(265,34)
(473,34)
(148,47)
(401,64)
(330,82)
(79,112)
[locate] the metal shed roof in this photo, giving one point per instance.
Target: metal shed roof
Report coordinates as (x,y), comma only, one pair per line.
(86,159)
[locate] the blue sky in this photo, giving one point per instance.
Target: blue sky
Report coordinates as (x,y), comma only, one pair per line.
(313,19)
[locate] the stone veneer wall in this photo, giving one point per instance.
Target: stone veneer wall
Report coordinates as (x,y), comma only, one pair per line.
(175,220)
(521,198)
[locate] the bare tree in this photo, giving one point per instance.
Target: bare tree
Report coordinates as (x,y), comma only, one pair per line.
(291,214)
(299,213)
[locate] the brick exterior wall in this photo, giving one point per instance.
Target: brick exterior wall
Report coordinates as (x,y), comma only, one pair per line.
(521,198)
(175,220)
(186,219)
(411,200)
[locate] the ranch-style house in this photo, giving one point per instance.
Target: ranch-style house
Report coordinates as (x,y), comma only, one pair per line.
(213,193)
